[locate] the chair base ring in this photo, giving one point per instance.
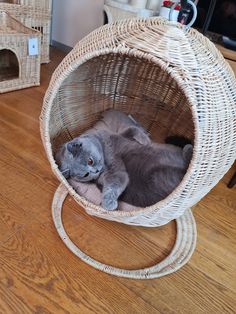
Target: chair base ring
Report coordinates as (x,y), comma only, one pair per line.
(182,251)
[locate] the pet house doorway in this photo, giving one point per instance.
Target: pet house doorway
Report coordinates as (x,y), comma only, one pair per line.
(9,65)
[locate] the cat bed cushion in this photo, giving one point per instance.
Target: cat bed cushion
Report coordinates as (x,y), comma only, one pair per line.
(91,193)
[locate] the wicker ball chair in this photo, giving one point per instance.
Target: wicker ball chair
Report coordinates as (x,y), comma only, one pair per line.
(174,82)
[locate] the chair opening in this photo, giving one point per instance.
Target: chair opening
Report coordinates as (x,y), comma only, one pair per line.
(131,84)
(127,83)
(9,66)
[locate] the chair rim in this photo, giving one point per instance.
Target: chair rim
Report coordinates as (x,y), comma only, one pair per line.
(60,75)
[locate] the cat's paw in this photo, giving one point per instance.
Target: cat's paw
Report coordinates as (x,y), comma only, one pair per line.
(108,202)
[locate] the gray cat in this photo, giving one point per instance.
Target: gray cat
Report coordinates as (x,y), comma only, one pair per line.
(119,157)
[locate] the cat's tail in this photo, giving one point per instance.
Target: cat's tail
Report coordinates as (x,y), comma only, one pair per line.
(177,140)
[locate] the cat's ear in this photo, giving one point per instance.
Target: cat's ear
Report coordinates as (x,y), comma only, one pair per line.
(74,147)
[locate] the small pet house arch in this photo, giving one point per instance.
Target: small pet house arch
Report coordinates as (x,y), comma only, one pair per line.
(11,63)
(174,82)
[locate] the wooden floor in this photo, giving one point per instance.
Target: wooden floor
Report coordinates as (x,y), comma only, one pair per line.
(39,275)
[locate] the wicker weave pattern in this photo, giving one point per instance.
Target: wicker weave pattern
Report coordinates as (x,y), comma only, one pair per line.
(172,80)
(14,38)
(42,4)
(36,18)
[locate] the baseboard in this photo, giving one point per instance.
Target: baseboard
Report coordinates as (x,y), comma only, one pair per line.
(61,46)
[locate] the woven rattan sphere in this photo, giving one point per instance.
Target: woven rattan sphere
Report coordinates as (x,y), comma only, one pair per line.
(172,80)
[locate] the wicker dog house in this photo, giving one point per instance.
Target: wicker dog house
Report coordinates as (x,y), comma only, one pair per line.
(36,16)
(173,81)
(17,68)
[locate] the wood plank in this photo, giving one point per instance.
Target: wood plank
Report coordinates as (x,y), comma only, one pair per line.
(129,247)
(55,280)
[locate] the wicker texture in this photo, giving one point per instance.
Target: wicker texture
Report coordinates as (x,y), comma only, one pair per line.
(34,17)
(41,4)
(14,42)
(172,80)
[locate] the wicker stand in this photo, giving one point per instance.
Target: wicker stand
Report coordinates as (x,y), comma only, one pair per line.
(181,253)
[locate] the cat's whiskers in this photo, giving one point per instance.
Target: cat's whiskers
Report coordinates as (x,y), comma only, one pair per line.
(64,171)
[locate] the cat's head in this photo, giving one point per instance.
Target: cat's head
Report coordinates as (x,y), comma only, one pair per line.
(81,159)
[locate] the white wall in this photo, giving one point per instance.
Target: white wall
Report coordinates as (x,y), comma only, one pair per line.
(73,19)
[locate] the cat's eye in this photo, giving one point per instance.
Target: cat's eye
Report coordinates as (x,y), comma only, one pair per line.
(90,161)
